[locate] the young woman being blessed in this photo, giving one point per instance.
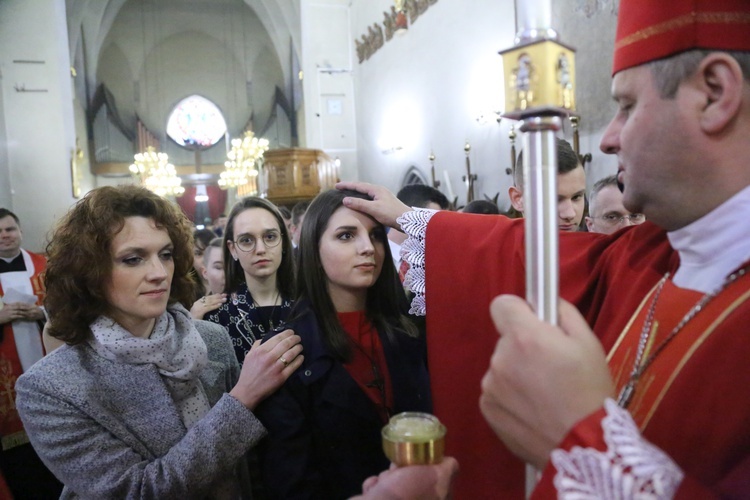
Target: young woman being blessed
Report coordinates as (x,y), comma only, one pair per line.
(364,359)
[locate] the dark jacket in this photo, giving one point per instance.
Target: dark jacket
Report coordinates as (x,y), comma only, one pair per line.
(324,432)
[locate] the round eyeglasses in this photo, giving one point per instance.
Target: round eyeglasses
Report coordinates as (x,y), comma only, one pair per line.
(247,242)
(614,219)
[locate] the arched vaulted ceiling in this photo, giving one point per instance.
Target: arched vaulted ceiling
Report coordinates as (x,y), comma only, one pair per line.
(92,20)
(151,54)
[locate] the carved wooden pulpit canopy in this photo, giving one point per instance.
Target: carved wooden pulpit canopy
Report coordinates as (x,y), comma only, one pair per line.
(296,174)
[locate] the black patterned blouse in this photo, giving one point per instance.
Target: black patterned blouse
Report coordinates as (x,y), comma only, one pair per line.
(246,321)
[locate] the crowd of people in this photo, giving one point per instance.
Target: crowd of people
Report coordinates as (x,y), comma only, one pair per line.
(263,363)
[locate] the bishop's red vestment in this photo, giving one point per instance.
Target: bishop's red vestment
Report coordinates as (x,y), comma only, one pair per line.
(692,401)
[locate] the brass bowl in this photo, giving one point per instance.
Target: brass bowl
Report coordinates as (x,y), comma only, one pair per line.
(413,438)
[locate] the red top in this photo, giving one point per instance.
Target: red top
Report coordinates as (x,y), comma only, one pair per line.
(368,366)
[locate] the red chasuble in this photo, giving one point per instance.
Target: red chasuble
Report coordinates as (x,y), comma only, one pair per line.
(692,400)
(470,260)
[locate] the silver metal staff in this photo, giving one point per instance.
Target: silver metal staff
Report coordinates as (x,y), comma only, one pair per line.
(539,91)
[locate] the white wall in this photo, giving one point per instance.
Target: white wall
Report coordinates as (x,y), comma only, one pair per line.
(5,199)
(423,91)
(330,112)
(39,126)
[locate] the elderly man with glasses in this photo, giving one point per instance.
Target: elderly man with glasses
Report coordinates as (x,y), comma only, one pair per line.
(606,211)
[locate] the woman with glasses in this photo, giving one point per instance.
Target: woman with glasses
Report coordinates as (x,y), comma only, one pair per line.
(142,402)
(364,360)
(259,274)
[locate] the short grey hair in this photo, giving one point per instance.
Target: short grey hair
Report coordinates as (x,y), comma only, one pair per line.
(670,72)
(610,180)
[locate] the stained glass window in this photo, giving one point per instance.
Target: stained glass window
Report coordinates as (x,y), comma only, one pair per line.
(196,122)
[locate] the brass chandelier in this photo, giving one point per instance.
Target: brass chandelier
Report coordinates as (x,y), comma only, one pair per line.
(156,174)
(241,165)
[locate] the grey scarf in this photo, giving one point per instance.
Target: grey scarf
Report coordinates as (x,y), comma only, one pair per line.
(175,347)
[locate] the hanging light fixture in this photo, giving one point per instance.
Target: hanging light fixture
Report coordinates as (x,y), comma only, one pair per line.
(240,167)
(201,193)
(156,174)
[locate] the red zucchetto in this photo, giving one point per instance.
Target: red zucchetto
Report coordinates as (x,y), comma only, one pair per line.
(653,29)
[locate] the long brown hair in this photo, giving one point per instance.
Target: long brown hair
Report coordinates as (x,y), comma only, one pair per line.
(234,275)
(386,303)
(79,259)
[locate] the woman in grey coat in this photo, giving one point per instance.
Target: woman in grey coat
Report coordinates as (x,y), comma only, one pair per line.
(141,402)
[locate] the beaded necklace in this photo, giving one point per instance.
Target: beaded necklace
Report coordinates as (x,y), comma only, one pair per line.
(628,390)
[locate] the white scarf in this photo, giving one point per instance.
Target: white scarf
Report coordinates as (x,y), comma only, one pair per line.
(175,347)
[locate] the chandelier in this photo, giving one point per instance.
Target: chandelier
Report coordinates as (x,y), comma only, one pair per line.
(240,167)
(156,173)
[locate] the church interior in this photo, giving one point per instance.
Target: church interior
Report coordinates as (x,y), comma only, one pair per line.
(382,91)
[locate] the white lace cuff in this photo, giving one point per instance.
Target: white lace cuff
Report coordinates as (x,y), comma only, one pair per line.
(630,468)
(414,224)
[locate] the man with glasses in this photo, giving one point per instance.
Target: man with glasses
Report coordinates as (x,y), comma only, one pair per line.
(606,211)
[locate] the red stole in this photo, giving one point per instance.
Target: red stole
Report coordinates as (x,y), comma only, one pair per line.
(672,305)
(11,428)
(691,401)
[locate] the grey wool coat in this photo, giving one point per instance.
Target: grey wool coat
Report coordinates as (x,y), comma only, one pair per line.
(111,430)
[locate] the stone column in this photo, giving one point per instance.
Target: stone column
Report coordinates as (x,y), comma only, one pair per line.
(37,138)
